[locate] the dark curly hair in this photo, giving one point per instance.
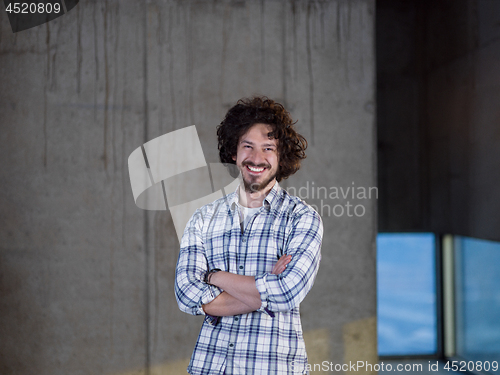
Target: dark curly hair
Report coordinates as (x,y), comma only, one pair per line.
(262,110)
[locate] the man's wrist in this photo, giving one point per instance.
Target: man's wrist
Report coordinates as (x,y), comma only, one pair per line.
(208,276)
(214,277)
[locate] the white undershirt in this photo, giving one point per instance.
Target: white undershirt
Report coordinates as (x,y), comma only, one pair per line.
(247,213)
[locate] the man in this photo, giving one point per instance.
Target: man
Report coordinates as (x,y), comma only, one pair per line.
(248,259)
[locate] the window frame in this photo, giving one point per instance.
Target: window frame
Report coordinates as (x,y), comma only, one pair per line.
(446,264)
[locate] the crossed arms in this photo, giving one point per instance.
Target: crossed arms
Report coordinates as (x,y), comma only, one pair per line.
(279,290)
(240,294)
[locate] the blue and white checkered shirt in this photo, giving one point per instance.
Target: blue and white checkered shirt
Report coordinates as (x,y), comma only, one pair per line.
(269,340)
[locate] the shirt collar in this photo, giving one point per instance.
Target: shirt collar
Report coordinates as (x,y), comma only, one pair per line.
(270,201)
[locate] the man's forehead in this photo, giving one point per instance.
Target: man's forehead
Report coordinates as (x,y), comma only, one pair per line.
(262,131)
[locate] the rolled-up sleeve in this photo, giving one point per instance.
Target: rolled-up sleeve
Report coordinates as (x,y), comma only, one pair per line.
(285,291)
(190,290)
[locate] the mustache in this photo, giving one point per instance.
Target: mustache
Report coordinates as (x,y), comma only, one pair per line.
(263,165)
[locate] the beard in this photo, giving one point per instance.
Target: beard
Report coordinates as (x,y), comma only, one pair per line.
(252,186)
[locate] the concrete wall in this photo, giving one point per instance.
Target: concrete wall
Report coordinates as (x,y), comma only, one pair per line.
(438,116)
(86,277)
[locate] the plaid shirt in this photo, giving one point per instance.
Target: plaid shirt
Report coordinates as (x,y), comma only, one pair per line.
(269,340)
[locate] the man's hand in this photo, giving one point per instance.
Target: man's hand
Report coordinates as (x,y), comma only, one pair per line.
(281,264)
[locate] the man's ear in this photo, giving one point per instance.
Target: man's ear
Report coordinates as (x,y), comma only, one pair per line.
(234,157)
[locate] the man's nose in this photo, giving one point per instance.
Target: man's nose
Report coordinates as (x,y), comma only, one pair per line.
(257,156)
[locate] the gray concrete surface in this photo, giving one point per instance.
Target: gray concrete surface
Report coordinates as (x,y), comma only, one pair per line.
(438,114)
(86,278)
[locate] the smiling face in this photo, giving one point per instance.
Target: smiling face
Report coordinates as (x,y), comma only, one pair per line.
(257,158)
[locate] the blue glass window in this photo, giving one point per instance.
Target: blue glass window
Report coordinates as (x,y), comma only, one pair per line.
(406,294)
(477,288)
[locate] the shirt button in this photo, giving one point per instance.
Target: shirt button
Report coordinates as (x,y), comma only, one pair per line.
(241,267)
(231,345)
(236,319)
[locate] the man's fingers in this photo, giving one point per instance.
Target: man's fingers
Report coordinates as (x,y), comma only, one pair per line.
(281,264)
(284,260)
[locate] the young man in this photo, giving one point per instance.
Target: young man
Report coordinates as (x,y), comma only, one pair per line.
(248,259)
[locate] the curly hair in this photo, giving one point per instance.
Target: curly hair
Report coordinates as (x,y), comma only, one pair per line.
(262,110)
